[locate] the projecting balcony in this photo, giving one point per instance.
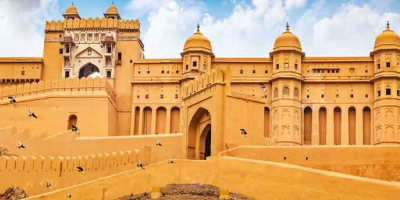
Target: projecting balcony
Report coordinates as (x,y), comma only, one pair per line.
(118,62)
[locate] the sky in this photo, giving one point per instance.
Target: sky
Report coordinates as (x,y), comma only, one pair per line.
(236,28)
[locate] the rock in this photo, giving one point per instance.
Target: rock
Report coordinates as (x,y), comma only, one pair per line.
(13,194)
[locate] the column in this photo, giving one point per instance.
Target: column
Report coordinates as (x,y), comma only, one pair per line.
(133,113)
(168,120)
(141,121)
(315,126)
(359,125)
(345,125)
(330,135)
(153,120)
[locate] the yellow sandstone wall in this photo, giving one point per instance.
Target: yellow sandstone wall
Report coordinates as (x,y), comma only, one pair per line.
(379,162)
(259,179)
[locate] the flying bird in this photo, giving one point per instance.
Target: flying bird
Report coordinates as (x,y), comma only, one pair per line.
(80,170)
(243,132)
(158,143)
(32,114)
(12,100)
(140,165)
(20,145)
(170,161)
(75,129)
(263,87)
(48,185)
(69,195)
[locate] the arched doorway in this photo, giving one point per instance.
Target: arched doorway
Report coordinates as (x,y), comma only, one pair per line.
(199,135)
(72,120)
(87,70)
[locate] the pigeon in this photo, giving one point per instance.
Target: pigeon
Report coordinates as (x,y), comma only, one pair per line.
(48,185)
(170,161)
(140,165)
(32,114)
(243,132)
(75,129)
(69,195)
(263,87)
(20,145)
(12,100)
(80,169)
(158,143)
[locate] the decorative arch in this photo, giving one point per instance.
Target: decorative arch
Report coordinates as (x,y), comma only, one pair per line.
(296,92)
(352,125)
(337,128)
(175,120)
(307,125)
(367,126)
(72,120)
(197,134)
(88,69)
(276,92)
(322,126)
(285,90)
(161,116)
(147,112)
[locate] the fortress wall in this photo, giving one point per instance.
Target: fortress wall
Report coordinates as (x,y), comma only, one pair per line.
(380,162)
(202,82)
(259,179)
(31,173)
(92,23)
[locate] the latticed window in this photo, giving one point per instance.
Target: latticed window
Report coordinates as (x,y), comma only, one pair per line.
(296,92)
(276,93)
(285,90)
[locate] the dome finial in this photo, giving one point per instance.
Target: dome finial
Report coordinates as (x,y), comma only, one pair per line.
(113,2)
(287,26)
(387,25)
(198,27)
(73,3)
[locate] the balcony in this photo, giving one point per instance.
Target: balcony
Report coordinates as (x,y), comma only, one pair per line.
(118,62)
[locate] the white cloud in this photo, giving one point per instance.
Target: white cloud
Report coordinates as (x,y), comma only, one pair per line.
(141,7)
(22,26)
(350,31)
(289,4)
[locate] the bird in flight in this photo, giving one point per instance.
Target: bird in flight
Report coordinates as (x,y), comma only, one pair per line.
(140,165)
(80,170)
(69,195)
(32,114)
(20,145)
(170,161)
(243,132)
(263,87)
(12,100)
(158,143)
(48,185)
(75,129)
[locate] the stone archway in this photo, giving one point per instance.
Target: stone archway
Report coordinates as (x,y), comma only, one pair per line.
(199,135)
(87,70)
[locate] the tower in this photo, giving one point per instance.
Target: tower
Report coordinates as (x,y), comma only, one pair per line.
(286,89)
(386,57)
(197,54)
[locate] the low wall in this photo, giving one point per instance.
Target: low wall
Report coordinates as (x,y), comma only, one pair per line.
(31,173)
(259,179)
(380,162)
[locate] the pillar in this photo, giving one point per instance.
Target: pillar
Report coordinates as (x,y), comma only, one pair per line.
(153,120)
(359,125)
(133,113)
(330,135)
(168,120)
(141,121)
(315,126)
(345,125)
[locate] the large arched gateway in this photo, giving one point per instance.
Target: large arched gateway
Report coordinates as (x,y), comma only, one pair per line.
(87,70)
(199,135)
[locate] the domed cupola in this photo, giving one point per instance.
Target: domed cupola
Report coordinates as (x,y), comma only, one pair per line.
(387,40)
(287,41)
(112,12)
(71,13)
(197,42)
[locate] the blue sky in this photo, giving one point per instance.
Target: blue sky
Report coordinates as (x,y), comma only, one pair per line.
(236,28)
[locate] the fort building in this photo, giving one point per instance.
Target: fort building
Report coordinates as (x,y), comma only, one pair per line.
(94,75)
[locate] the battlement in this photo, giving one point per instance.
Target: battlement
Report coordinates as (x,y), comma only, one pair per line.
(30,173)
(202,82)
(90,23)
(57,85)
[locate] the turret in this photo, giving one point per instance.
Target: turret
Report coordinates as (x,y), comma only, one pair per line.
(112,12)
(386,56)
(197,54)
(286,89)
(71,13)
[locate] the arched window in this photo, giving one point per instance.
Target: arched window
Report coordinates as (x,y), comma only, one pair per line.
(296,92)
(379,92)
(285,90)
(378,65)
(388,91)
(72,120)
(276,93)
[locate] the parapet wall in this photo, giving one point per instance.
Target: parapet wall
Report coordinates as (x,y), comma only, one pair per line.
(203,81)
(92,23)
(57,85)
(379,162)
(31,173)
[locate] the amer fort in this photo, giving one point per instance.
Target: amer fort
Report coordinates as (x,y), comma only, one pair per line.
(94,119)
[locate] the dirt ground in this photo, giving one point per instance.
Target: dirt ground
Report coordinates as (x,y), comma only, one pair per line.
(186,192)
(13,194)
